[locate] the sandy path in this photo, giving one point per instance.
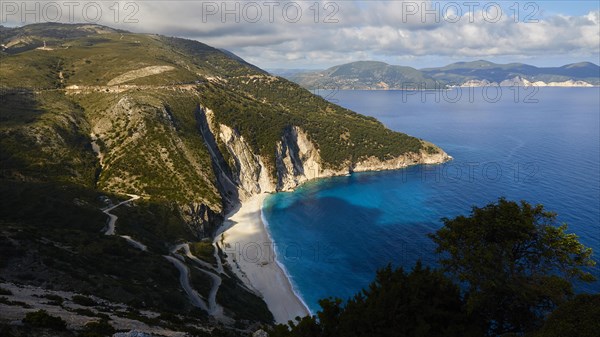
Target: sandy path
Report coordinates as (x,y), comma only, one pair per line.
(184,279)
(188,253)
(135,243)
(110,228)
(213,308)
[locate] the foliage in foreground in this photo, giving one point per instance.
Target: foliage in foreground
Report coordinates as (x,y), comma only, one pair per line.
(514,266)
(423,302)
(576,318)
(516,262)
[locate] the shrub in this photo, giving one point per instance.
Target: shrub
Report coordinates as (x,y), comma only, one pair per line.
(84,300)
(41,319)
(98,329)
(54,299)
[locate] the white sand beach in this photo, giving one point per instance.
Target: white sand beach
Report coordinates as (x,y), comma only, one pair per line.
(250,253)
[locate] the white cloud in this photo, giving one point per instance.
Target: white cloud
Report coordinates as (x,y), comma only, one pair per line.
(357,30)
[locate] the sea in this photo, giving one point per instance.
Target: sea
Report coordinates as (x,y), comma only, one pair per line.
(541,145)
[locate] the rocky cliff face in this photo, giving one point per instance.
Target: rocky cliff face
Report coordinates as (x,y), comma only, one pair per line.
(297,160)
(202,220)
(375,164)
(252,173)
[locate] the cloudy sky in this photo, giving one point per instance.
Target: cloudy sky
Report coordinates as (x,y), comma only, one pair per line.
(320,34)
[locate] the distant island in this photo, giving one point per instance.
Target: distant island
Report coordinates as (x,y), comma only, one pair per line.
(374,75)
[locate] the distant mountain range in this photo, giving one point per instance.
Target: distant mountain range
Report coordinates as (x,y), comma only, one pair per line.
(382,76)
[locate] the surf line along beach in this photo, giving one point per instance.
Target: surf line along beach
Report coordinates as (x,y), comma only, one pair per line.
(251,255)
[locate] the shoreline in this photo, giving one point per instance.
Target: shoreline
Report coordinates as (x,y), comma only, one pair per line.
(281,265)
(250,253)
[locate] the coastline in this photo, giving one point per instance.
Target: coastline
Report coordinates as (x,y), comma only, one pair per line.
(249,249)
(250,253)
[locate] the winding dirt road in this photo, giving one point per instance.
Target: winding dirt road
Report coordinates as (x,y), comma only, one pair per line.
(213,308)
(111,226)
(184,279)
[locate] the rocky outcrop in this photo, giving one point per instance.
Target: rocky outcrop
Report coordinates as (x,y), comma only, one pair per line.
(260,333)
(297,159)
(201,219)
(227,185)
(375,164)
(245,174)
(138,73)
(252,173)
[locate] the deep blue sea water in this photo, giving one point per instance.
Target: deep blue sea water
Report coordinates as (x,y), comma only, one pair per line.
(333,234)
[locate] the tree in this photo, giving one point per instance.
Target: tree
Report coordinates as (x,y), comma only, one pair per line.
(515,262)
(576,318)
(421,303)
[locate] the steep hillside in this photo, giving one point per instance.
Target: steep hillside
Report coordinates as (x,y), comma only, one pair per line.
(96,114)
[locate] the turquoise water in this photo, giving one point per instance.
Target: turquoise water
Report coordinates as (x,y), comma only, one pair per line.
(332,235)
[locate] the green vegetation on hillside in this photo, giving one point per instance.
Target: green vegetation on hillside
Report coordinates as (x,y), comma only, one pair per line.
(44,137)
(152,146)
(340,134)
(204,250)
(57,232)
